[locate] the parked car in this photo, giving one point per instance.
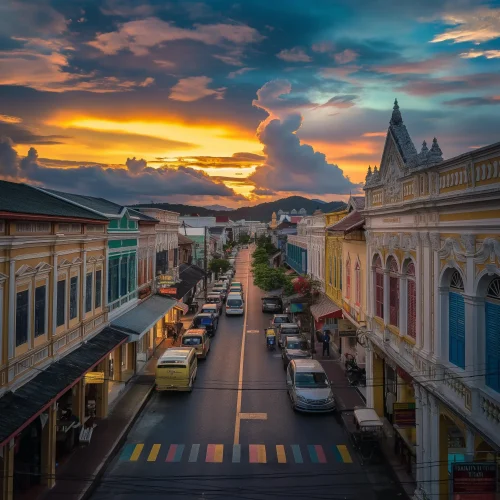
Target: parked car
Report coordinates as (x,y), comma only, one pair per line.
(308,386)
(280,318)
(215,298)
(214,307)
(208,321)
(287,330)
(295,348)
(198,339)
(272,303)
(235,305)
(220,288)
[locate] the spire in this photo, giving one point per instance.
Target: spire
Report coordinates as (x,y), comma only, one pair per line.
(425,149)
(396,118)
(436,153)
(368,174)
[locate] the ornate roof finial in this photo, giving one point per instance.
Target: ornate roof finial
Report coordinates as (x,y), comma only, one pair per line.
(425,149)
(436,153)
(375,170)
(396,118)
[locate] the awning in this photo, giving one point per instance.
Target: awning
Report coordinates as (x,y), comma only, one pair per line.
(183,307)
(325,308)
(18,409)
(140,319)
(190,276)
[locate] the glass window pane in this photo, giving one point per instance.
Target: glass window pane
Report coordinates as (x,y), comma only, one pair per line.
(40,303)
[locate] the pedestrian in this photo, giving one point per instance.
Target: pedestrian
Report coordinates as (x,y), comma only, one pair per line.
(390,399)
(179,326)
(326,343)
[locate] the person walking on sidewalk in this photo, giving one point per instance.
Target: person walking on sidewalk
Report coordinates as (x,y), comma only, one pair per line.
(326,343)
(390,399)
(178,329)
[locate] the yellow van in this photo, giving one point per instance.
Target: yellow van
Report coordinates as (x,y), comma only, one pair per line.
(176,369)
(198,339)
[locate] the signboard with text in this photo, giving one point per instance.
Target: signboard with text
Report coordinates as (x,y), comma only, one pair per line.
(347,333)
(474,480)
(404,414)
(168,290)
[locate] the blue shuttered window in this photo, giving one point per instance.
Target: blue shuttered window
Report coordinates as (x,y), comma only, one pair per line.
(492,355)
(457,329)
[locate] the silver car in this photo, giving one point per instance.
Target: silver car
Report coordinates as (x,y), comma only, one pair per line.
(308,387)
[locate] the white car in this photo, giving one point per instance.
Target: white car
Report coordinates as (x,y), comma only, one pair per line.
(235,305)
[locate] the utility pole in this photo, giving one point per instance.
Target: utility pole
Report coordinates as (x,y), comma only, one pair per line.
(205,264)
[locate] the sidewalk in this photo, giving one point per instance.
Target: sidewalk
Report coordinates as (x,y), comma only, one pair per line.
(347,397)
(80,473)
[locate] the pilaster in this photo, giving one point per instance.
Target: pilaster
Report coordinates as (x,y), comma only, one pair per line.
(83,305)
(386,297)
(369,376)
(105,272)
(474,337)
(102,391)
(78,400)
(7,491)
(49,448)
(439,451)
(54,294)
(12,310)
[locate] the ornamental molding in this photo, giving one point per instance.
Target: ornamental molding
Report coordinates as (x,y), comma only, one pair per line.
(394,242)
(469,243)
(64,263)
(490,249)
(26,270)
(435,239)
(43,267)
(3,277)
(424,238)
(452,250)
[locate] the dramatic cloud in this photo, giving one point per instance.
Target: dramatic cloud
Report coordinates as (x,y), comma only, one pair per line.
(263,192)
(346,56)
(473,101)
(488,54)
(294,55)
(134,183)
(340,102)
(10,119)
(423,66)
(140,36)
(194,88)
(477,26)
(290,165)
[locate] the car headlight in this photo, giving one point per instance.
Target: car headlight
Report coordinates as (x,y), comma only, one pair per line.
(303,399)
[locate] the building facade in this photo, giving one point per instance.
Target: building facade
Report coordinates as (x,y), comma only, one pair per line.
(296,250)
(315,233)
(53,270)
(433,329)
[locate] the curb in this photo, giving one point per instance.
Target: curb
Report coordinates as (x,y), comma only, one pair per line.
(101,468)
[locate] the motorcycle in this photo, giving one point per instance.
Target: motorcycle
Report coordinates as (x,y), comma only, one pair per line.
(270,339)
(357,376)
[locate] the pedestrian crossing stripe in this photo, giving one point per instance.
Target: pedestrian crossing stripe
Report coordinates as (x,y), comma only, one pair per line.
(257,453)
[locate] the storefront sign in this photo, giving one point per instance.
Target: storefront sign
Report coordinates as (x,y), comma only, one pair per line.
(347,333)
(474,481)
(404,414)
(94,378)
(168,291)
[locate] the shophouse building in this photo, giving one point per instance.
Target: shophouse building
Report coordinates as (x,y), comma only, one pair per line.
(315,234)
(433,303)
(296,249)
(55,341)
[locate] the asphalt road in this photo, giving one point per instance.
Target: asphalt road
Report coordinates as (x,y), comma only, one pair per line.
(235,436)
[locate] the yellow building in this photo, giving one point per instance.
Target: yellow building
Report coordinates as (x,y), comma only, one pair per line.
(349,231)
(52,297)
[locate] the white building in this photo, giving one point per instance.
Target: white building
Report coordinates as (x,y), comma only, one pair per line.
(433,302)
(314,226)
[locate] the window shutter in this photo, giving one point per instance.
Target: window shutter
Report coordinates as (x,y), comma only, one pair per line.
(457,329)
(492,313)
(412,309)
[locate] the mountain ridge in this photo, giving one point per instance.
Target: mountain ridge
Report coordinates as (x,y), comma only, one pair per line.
(262,212)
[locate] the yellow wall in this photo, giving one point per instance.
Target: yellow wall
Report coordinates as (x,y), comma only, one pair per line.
(356,250)
(34,266)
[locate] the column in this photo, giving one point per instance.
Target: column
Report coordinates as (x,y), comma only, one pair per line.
(369,376)
(78,400)
(470,447)
(7,480)
(102,391)
(424,299)
(12,309)
(386,297)
(420,435)
(105,278)
(49,447)
(438,312)
(378,385)
(403,305)
(438,460)
(474,337)
(54,293)
(426,440)
(84,286)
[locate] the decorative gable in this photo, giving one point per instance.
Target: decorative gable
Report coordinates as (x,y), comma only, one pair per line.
(25,270)
(43,267)
(64,263)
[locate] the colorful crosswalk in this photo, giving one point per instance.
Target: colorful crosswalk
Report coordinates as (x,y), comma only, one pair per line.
(253,453)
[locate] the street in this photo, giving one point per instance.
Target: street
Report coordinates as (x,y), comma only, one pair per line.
(236,436)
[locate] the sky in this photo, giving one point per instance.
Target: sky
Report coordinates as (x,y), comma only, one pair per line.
(237,103)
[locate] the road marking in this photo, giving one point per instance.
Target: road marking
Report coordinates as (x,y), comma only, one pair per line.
(127,451)
(297,455)
(280,453)
(257,454)
(236,453)
(317,454)
(175,453)
(253,416)
(193,456)
(237,423)
(253,331)
(153,454)
(136,453)
(215,453)
(344,453)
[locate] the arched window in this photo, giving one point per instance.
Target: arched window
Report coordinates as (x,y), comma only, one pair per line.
(393,292)
(411,325)
(379,288)
(358,283)
(492,319)
(348,277)
(456,318)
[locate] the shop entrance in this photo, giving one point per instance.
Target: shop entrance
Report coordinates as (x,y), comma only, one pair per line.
(390,390)
(28,457)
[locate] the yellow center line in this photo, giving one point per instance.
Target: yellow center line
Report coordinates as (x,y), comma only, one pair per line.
(137,453)
(153,454)
(242,358)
